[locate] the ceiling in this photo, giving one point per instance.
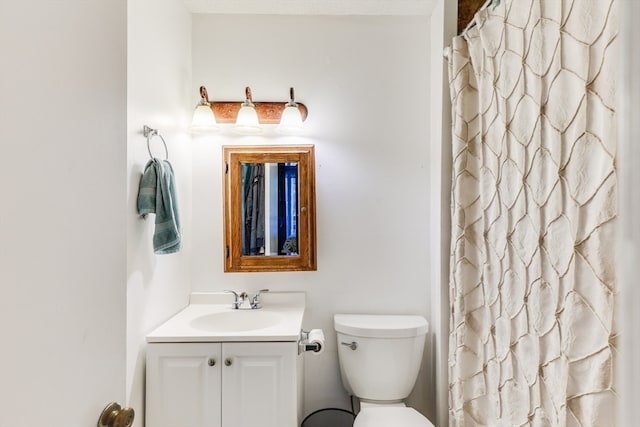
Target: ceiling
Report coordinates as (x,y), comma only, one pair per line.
(313,7)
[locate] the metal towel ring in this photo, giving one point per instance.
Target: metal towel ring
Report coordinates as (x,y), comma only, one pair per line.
(149,134)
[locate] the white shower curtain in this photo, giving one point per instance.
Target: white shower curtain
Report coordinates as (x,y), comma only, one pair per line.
(533,328)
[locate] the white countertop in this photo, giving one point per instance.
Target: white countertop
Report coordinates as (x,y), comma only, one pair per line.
(194,323)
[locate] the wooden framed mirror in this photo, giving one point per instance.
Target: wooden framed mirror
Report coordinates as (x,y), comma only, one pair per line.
(269,208)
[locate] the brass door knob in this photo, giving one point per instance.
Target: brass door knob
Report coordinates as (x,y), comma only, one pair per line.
(114,415)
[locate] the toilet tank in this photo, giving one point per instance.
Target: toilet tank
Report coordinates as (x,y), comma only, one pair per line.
(383,363)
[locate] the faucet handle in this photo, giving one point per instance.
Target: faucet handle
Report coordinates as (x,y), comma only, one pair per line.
(236,303)
(255,301)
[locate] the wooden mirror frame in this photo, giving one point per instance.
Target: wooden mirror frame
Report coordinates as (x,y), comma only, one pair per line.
(233,157)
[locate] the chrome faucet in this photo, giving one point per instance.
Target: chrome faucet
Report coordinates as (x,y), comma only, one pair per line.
(242,302)
(255,301)
(239,301)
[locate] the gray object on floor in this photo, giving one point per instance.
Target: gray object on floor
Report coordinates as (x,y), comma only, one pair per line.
(329,417)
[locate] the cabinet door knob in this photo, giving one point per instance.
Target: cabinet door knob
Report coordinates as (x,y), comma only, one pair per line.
(211,362)
(228,361)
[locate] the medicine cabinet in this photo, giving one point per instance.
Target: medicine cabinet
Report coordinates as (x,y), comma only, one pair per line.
(269,208)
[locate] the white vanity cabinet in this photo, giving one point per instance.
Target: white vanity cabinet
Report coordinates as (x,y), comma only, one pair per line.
(229,384)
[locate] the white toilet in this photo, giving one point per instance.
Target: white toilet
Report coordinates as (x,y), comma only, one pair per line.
(380,357)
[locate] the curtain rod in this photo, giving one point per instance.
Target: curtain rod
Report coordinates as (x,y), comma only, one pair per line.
(472,23)
(495,3)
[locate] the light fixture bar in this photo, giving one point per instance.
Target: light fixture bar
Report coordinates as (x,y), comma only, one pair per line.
(269,112)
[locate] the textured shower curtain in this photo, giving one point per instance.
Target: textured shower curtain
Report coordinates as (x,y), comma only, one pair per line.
(533,288)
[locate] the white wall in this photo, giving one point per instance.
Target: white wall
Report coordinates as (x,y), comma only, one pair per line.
(365,81)
(160,96)
(628,372)
(62,214)
(443,29)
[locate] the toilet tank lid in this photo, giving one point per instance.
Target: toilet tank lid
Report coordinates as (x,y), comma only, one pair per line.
(380,325)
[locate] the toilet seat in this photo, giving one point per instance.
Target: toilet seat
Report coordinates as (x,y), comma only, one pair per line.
(392,416)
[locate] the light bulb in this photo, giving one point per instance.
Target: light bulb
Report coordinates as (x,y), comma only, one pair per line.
(291,121)
(247,122)
(203,121)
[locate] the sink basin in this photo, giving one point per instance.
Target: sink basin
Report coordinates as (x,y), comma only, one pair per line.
(209,318)
(236,321)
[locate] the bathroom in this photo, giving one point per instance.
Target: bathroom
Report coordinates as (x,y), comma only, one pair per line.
(82,286)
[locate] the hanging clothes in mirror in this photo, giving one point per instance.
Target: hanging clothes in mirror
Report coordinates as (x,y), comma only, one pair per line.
(253,190)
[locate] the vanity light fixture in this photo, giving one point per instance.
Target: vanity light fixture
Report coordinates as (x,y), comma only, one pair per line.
(249,115)
(204,121)
(247,122)
(291,119)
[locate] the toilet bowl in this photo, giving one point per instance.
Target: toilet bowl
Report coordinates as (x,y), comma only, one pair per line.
(380,356)
(392,416)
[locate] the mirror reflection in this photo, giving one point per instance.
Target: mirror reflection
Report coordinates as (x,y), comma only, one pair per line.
(270,208)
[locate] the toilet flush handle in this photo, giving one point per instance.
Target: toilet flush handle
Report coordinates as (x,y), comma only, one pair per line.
(352,345)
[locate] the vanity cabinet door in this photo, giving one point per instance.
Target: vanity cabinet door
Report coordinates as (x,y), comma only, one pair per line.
(259,384)
(183,385)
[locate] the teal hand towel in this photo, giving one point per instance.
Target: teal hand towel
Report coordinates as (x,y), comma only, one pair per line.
(157,195)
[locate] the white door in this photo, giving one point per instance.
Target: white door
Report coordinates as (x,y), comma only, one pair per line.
(259,384)
(62,211)
(183,384)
